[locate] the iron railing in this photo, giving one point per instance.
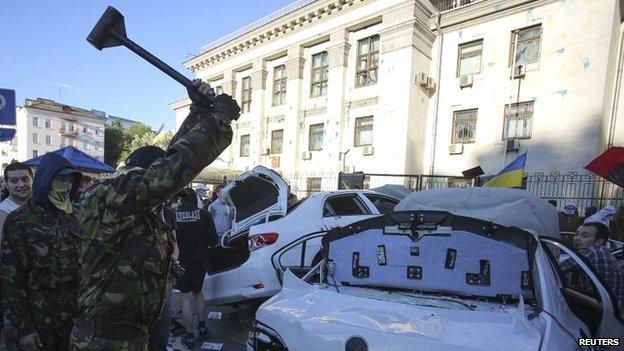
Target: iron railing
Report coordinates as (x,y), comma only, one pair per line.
(585,188)
(257,24)
(453,4)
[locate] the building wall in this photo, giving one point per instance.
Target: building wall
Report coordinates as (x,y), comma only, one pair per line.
(573,86)
(567,85)
(393,109)
(87,140)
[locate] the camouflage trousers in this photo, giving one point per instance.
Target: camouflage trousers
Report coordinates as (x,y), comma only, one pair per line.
(56,339)
(96,336)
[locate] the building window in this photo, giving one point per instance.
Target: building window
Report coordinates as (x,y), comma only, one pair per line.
(469,58)
(35,121)
(84,130)
(368,57)
(277,138)
(315,141)
(85,146)
(363,131)
(244,145)
(71,127)
(35,153)
(47,123)
(518,120)
(97,131)
(525,45)
(63,142)
(35,137)
(320,69)
(464,126)
(246,95)
(218,90)
(48,140)
(313,185)
(279,85)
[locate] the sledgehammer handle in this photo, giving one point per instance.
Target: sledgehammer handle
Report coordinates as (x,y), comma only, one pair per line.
(168,70)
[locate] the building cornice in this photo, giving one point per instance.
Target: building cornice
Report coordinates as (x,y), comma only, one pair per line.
(43,112)
(483,11)
(288,24)
(182,103)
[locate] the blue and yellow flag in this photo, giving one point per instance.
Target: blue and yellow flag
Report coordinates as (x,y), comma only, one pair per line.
(511,175)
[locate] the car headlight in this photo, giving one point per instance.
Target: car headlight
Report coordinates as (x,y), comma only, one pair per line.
(263,338)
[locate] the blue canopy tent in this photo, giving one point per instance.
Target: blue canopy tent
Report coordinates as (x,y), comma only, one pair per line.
(82,161)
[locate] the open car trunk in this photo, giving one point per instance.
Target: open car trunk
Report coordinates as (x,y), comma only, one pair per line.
(433,252)
(256,196)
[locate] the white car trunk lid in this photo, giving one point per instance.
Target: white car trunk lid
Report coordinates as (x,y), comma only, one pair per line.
(255,194)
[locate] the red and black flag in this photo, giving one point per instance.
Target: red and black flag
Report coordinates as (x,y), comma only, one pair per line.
(609,165)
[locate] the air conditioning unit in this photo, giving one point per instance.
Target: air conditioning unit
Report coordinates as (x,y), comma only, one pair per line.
(421,78)
(518,72)
(265,151)
(456,149)
(306,155)
(275,162)
(465,81)
(349,169)
(367,150)
(513,144)
(431,85)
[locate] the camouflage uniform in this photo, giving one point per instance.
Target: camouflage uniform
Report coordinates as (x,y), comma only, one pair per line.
(126,255)
(40,273)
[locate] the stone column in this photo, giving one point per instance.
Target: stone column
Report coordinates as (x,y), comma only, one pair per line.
(257,116)
(338,51)
(291,151)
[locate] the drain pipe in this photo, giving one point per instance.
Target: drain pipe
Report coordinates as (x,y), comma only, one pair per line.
(437,102)
(616,94)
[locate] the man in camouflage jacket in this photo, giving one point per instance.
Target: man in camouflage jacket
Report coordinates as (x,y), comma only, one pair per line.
(126,253)
(39,266)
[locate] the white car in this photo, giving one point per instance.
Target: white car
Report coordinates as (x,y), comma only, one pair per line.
(241,268)
(450,269)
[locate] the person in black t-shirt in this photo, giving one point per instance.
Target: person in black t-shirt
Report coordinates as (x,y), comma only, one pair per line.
(196,233)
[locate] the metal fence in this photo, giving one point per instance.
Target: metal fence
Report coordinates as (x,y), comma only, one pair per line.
(585,188)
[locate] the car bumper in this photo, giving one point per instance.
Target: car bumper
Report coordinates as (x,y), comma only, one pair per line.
(242,283)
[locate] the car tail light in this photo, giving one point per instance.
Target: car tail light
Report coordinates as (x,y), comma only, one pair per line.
(257,241)
(258,286)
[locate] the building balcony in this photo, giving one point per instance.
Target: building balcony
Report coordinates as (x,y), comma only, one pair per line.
(68,133)
(446,5)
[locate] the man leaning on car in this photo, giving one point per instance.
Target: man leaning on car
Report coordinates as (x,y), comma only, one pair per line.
(589,242)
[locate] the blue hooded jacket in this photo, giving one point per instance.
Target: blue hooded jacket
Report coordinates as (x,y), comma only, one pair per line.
(48,167)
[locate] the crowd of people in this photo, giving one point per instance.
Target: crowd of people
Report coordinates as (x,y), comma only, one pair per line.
(89,266)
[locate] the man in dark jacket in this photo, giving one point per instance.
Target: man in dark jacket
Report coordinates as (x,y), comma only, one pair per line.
(126,254)
(196,233)
(39,265)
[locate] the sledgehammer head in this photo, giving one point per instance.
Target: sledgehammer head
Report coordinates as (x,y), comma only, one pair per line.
(106,31)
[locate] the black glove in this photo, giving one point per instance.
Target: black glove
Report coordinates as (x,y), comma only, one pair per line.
(227,106)
(201,94)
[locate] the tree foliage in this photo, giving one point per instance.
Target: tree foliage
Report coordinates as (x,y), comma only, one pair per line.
(135,136)
(113,143)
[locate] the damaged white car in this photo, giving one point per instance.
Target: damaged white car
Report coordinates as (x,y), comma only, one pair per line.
(241,269)
(450,269)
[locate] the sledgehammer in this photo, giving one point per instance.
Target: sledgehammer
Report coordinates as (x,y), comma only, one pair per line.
(110,31)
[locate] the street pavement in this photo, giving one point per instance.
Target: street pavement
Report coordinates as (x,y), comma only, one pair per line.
(231,330)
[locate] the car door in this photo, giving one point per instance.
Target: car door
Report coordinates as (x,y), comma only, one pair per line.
(597,309)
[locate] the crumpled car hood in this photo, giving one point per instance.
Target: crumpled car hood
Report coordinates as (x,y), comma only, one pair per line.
(314,318)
